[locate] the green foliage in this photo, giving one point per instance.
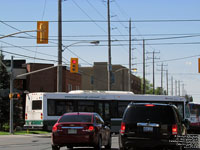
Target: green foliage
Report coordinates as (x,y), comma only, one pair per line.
(25,132)
(149,88)
(5,102)
(189,98)
(4,91)
(4,77)
(6,127)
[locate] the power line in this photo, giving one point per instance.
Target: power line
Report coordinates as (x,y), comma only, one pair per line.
(28,56)
(21,47)
(105,21)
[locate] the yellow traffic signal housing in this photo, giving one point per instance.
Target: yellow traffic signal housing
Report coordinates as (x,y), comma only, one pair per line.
(42,32)
(199,65)
(74,65)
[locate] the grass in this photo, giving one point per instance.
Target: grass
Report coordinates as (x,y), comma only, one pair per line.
(24,132)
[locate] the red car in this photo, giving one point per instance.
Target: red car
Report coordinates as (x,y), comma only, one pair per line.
(80,129)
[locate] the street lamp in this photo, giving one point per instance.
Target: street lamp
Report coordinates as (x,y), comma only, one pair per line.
(59,69)
(91,42)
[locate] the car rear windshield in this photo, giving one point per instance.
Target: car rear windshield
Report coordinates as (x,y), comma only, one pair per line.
(76,118)
(160,114)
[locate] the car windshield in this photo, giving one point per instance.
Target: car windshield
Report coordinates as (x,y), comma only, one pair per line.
(76,118)
(150,114)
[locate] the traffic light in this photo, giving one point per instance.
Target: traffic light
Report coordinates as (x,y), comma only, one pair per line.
(42,32)
(14,96)
(199,65)
(74,65)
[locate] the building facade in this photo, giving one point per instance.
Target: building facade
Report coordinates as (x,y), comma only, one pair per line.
(46,81)
(96,78)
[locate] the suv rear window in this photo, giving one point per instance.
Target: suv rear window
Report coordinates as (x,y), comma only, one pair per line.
(76,118)
(161,114)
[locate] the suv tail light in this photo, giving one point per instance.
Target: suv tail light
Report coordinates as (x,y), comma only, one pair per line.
(123,127)
(56,127)
(149,105)
(26,116)
(174,129)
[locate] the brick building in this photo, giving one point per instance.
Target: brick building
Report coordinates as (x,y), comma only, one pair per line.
(46,81)
(96,78)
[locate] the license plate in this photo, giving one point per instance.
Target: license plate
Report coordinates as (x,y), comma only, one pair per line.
(72,131)
(148,129)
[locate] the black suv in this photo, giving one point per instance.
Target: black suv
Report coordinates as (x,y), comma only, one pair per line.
(151,126)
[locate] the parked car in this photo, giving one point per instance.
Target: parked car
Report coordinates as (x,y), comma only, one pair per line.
(151,126)
(80,129)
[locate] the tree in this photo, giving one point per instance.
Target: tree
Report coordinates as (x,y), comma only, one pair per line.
(4,77)
(149,88)
(4,91)
(189,98)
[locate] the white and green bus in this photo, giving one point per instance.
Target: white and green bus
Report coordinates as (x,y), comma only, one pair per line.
(43,109)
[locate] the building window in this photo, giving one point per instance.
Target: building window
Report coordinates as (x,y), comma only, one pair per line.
(69,87)
(77,87)
(92,80)
(112,78)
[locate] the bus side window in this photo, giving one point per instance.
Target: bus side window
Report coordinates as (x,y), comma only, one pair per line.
(69,107)
(107,111)
(51,107)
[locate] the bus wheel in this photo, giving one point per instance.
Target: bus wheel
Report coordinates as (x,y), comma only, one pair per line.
(55,147)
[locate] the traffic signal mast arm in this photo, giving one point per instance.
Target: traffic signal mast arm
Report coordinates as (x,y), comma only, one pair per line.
(17,33)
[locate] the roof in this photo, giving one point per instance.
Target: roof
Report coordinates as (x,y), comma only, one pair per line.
(80,113)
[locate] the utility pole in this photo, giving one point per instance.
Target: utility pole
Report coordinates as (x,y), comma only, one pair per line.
(162,69)
(59,69)
(11,99)
(179,88)
(183,90)
(167,81)
(129,75)
(153,69)
(172,86)
(175,87)
(162,78)
(109,49)
(144,83)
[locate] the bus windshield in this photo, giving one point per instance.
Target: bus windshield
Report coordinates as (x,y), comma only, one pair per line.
(36,104)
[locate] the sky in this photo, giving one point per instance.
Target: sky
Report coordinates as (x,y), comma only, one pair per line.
(171,28)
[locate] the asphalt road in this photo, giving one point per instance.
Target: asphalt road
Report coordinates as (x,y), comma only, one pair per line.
(39,142)
(36,142)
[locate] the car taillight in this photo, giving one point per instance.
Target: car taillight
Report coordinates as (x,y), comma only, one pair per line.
(26,116)
(123,127)
(91,128)
(174,129)
(149,105)
(56,127)
(41,115)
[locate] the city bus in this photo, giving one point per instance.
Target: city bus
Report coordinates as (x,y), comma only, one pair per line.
(43,109)
(194,117)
